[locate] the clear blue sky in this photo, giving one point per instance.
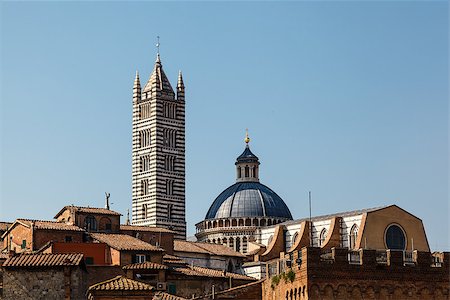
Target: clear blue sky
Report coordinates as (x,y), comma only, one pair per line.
(348,100)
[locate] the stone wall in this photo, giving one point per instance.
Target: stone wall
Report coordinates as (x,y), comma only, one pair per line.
(48,283)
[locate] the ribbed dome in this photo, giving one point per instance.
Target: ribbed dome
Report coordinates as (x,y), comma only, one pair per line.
(248,199)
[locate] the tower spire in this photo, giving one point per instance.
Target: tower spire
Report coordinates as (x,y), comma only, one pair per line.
(158,59)
(247,139)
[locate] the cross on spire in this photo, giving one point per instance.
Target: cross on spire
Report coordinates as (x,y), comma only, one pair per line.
(157,44)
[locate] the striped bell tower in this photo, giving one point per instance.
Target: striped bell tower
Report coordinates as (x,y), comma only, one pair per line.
(158,163)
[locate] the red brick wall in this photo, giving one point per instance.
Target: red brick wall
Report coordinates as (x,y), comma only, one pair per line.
(43,236)
(95,250)
(335,278)
(18,234)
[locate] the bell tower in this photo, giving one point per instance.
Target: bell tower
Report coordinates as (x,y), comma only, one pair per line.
(158,155)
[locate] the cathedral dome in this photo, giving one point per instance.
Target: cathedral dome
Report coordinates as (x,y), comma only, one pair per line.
(248,199)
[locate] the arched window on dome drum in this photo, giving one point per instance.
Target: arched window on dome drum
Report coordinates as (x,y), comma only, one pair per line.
(241,222)
(238,244)
(262,222)
(255,222)
(233,223)
(323,237)
(231,243)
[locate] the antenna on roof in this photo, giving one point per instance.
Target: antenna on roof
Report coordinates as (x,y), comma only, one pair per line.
(107,200)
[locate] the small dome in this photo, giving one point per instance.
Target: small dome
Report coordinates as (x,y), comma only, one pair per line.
(248,199)
(246,156)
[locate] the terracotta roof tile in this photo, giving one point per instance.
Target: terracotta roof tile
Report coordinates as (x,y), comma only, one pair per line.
(124,242)
(173,260)
(185,246)
(148,265)
(205,272)
(121,283)
(89,210)
(44,260)
(221,250)
(206,248)
(166,296)
(51,225)
(145,228)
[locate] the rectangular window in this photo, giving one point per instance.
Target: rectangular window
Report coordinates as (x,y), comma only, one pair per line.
(140,258)
(108,226)
(89,260)
(24,244)
(68,238)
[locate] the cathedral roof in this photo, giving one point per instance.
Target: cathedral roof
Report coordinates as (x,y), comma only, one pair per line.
(248,199)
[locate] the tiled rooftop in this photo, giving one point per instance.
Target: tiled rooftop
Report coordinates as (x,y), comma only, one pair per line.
(173,260)
(124,242)
(121,283)
(89,210)
(148,265)
(51,225)
(145,228)
(4,225)
(44,260)
(205,272)
(330,216)
(205,248)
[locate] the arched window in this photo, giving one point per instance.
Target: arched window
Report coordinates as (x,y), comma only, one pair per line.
(144,211)
(353,236)
(395,237)
(90,223)
(294,238)
(238,244)
(246,171)
(323,237)
(105,224)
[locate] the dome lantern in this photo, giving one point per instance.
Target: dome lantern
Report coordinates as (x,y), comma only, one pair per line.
(247,164)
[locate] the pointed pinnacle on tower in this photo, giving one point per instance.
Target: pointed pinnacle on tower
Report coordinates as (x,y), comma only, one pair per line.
(180,83)
(137,82)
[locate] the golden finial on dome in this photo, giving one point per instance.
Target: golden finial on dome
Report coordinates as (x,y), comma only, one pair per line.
(247,139)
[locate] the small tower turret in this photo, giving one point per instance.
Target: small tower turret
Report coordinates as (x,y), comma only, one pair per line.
(247,164)
(180,87)
(136,88)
